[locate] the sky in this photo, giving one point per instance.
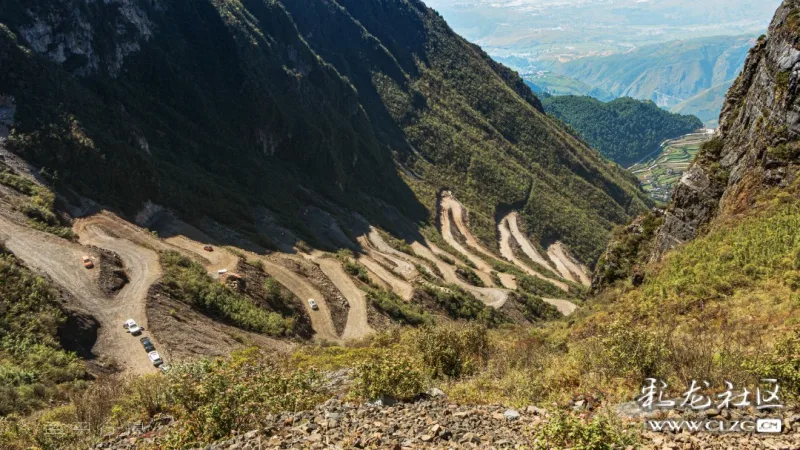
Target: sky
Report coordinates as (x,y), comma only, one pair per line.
(539,28)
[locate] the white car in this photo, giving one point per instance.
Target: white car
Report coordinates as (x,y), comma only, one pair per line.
(155,358)
(132,327)
(313,304)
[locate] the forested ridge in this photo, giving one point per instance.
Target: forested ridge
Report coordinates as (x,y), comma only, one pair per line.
(623,130)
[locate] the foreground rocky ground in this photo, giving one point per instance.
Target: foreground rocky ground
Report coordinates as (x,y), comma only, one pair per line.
(434,423)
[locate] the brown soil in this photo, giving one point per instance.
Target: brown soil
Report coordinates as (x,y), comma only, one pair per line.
(191,335)
(112,272)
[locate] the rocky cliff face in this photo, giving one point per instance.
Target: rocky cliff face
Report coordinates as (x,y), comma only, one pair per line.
(67,32)
(757,142)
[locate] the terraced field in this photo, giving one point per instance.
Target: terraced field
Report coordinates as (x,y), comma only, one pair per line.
(659,172)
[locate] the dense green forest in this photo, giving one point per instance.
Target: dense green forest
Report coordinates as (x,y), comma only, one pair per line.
(623,130)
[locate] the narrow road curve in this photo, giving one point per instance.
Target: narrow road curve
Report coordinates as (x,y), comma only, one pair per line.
(222,258)
(357,319)
(509,281)
(565,307)
(143,270)
(374,242)
(530,251)
(493,297)
(321,320)
(567,266)
(483,269)
(459,214)
(400,287)
(218,259)
(508,253)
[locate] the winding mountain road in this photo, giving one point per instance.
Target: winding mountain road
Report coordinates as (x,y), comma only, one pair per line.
(482,268)
(506,233)
(568,268)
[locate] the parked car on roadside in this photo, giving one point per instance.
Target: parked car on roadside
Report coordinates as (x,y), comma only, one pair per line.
(155,358)
(132,327)
(147,344)
(87,262)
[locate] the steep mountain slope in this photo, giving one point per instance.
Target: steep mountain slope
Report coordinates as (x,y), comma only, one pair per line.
(624,130)
(212,108)
(757,141)
(667,74)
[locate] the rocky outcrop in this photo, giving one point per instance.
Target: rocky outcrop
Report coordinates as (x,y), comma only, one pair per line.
(758,138)
(76,34)
(8,109)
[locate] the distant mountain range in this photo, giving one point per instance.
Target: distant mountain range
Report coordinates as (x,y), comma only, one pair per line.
(688,77)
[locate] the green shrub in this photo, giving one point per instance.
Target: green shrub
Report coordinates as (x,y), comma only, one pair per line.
(187,281)
(460,304)
(34,369)
(469,276)
(783,364)
(396,308)
(534,308)
(601,432)
(397,376)
(453,351)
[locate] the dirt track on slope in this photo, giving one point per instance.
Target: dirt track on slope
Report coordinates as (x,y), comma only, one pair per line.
(221,258)
(143,270)
(508,253)
(493,297)
(512,221)
(60,260)
(483,269)
(398,286)
(567,266)
(357,322)
(565,307)
(459,215)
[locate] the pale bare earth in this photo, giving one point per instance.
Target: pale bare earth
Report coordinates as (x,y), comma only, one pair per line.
(559,253)
(565,307)
(493,297)
(567,266)
(357,323)
(459,214)
(512,220)
(143,270)
(482,268)
(60,260)
(400,287)
(509,281)
(508,253)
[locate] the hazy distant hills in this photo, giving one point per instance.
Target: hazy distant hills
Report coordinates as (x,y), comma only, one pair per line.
(689,77)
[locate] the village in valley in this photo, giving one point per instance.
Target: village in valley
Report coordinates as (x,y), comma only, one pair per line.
(659,171)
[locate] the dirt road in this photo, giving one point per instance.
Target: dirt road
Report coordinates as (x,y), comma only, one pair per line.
(565,307)
(400,287)
(459,215)
(530,251)
(60,260)
(357,322)
(508,253)
(493,297)
(482,268)
(143,270)
(568,268)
